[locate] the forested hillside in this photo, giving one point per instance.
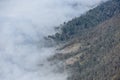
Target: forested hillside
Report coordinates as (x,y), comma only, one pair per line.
(81,25)
(92,44)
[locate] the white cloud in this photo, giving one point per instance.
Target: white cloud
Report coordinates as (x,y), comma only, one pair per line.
(23,23)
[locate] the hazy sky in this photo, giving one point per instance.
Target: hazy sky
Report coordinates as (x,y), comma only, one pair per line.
(23,24)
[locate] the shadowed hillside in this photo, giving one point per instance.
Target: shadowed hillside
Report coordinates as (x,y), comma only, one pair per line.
(81,25)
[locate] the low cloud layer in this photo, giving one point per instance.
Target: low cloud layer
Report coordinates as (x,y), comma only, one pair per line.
(23,24)
(46,12)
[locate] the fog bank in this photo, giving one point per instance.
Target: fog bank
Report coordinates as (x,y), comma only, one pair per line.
(23,25)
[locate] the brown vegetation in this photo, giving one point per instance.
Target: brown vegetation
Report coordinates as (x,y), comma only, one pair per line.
(94,51)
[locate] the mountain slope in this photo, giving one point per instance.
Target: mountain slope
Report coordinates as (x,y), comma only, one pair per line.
(100,57)
(92,51)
